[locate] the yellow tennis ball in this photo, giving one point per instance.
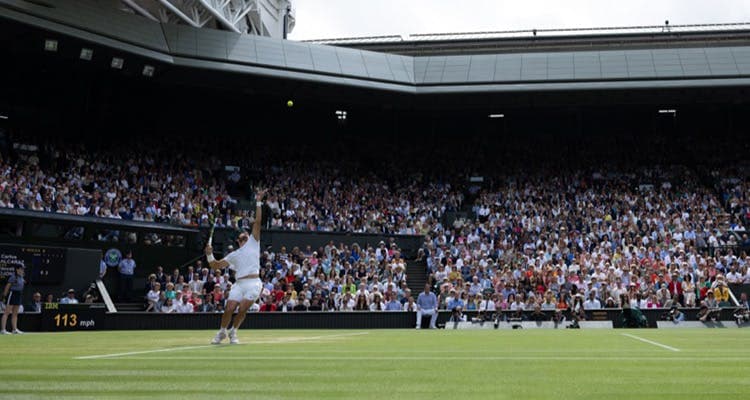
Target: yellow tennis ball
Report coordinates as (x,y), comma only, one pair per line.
(289,103)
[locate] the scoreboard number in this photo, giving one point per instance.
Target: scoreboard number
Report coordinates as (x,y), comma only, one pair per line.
(71,317)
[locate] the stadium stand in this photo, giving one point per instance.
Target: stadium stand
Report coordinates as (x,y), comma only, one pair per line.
(620,227)
(587,190)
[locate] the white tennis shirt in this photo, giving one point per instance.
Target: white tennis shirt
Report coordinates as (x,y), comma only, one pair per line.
(245,260)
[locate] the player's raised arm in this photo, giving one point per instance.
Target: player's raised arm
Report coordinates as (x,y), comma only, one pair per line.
(259,196)
(212,262)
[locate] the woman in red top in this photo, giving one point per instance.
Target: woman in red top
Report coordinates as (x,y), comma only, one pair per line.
(217,294)
(268,306)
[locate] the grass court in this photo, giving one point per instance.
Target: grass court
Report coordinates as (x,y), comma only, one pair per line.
(379,364)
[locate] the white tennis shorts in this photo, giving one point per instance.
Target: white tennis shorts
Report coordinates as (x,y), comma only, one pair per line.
(246,289)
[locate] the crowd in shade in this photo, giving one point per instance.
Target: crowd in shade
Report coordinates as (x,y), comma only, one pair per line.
(176,183)
(552,223)
(139,185)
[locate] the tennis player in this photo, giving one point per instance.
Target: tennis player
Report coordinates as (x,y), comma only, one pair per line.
(245,261)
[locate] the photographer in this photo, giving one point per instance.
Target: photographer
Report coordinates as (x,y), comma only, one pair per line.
(558,318)
(709,308)
(487,307)
(92,293)
(674,314)
(742,313)
(537,315)
(456,305)
(577,316)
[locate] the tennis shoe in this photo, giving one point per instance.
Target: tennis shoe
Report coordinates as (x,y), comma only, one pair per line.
(221,335)
(233,337)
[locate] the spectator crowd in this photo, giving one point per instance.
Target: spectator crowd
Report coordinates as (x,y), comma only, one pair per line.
(619,222)
(332,278)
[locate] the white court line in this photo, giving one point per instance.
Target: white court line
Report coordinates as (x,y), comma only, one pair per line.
(141,352)
(302,339)
(664,346)
(422,358)
(281,340)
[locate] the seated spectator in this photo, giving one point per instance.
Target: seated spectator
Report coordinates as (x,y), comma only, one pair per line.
(184,306)
(208,305)
(170,293)
(393,304)
(196,284)
(688,290)
(36,303)
(652,301)
(361,303)
(377,303)
(472,303)
(70,298)
(217,294)
(347,303)
(549,301)
(409,305)
(315,304)
(721,293)
(197,302)
(153,297)
(168,306)
(610,303)
(151,282)
(268,305)
(302,303)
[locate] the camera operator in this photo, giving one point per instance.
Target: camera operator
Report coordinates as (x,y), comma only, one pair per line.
(92,294)
(558,318)
(456,305)
(674,314)
(487,308)
(537,315)
(709,308)
(742,313)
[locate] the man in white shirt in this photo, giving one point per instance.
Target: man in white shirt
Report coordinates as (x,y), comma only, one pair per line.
(245,261)
(592,303)
(733,276)
(70,298)
(184,306)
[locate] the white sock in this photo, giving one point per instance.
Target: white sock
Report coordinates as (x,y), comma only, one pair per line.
(223,330)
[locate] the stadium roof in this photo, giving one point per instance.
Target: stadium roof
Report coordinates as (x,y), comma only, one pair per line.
(709,64)
(552,40)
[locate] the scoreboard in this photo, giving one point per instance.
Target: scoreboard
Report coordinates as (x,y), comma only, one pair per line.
(72,317)
(44,265)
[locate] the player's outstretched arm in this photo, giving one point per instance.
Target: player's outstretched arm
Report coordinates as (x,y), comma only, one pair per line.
(212,262)
(259,196)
